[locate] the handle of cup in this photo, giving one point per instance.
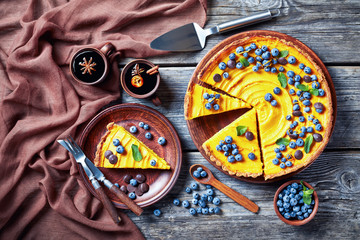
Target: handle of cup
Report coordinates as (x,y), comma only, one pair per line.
(107,49)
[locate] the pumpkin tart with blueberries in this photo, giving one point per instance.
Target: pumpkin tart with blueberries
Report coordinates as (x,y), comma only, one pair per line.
(201,101)
(120,149)
(284,83)
(236,147)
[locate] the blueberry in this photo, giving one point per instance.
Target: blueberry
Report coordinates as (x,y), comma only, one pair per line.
(282,147)
(148,135)
(226,154)
(301,66)
(273,70)
(275,52)
(288,117)
(258,52)
(221,142)
(292,144)
(192,211)
(306,102)
(239,65)
(281,69)
(217,96)
(218,148)
(306,215)
(245,54)
(279,155)
(307,70)
(202,203)
(315,121)
(295,123)
(291,60)
(232,56)
(279,203)
(277,90)
(133,129)
(299,93)
(267,69)
(225,148)
(197,174)
(268,97)
(288,163)
(120,149)
(296,107)
(315,85)
(290,73)
(238,157)
(185,204)
(266,55)
(116,142)
(251,60)
(208,106)
(231,159)
(277,150)
(153,162)
(225,75)
(297,84)
(216,107)
(318,127)
(234,146)
(203,174)
(283,159)
(205,211)
(199,210)
(307,95)
(301,119)
(133,182)
(239,49)
(194,186)
(318,110)
(216,201)
(222,66)
(303,129)
(253,46)
(146,127)
(132,196)
(321,92)
(309,129)
(188,190)
(258,59)
(266,63)
(228,139)
(273,103)
(235,152)
(275,161)
(255,68)
(176,202)
(251,156)
(210,192)
(297,78)
(141,124)
(195,201)
(161,140)
(259,65)
(292,91)
(117,185)
(157,212)
(307,109)
(287,215)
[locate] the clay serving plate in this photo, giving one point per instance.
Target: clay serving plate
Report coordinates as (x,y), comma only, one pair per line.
(127,115)
(296,222)
(203,128)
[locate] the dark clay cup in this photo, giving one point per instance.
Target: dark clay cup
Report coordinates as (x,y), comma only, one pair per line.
(91,65)
(151,82)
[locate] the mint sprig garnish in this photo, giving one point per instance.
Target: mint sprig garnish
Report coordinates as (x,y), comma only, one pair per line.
(314,91)
(244,62)
(303,87)
(284,141)
(136,153)
(308,142)
(240,130)
(282,79)
(283,53)
(307,194)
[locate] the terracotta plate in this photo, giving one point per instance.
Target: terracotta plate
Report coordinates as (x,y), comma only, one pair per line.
(127,115)
(203,128)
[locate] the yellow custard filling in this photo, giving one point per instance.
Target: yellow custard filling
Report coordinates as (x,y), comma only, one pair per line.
(246,166)
(195,102)
(252,86)
(126,159)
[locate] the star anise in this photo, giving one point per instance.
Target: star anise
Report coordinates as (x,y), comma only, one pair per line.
(136,70)
(87,66)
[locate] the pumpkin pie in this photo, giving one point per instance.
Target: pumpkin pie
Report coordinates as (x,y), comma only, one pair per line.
(135,154)
(241,156)
(284,83)
(201,101)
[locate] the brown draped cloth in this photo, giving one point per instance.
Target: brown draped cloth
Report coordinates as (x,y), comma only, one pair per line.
(42,195)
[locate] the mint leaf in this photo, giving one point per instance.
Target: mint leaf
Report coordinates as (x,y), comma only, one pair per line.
(240,130)
(136,153)
(244,62)
(284,141)
(307,194)
(314,91)
(282,79)
(283,53)
(302,87)
(308,142)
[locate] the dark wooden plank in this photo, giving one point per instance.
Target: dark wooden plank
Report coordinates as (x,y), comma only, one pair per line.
(334,175)
(347,84)
(329,28)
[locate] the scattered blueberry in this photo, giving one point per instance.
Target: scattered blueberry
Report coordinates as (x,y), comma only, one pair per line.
(148,135)
(133,129)
(277,90)
(116,142)
(157,212)
(132,195)
(268,97)
(153,162)
(141,124)
(273,103)
(222,66)
(120,149)
(161,140)
(176,202)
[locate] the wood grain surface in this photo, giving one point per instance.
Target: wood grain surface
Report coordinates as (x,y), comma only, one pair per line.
(331,29)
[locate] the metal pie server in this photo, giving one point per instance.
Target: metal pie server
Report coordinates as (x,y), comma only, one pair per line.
(101,177)
(191,37)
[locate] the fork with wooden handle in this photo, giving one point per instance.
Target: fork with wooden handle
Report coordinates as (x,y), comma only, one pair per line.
(80,157)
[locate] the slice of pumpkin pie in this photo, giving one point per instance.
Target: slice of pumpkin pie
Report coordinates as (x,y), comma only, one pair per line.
(236,147)
(201,101)
(120,149)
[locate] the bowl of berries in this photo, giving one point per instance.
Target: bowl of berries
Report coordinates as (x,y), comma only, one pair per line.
(296,202)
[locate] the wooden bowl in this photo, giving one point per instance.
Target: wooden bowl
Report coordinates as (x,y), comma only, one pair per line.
(296,222)
(201,129)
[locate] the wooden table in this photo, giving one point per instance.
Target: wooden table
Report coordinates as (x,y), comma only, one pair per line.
(331,29)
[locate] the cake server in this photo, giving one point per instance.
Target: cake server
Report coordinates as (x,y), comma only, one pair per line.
(80,157)
(191,37)
(101,177)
